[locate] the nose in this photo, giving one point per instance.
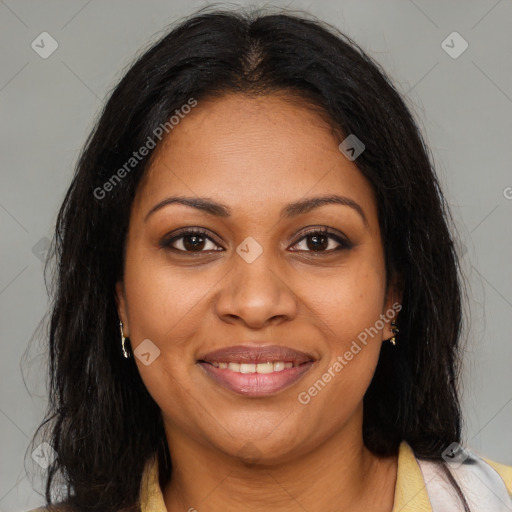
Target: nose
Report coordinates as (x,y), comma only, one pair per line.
(255,294)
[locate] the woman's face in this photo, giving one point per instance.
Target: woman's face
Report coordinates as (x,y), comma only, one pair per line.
(257,276)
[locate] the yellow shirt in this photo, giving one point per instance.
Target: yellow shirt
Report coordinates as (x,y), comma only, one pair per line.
(410,491)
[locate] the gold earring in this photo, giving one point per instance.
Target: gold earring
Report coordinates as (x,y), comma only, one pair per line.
(395,331)
(126,354)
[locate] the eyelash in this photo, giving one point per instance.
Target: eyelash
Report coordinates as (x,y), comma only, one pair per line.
(344,244)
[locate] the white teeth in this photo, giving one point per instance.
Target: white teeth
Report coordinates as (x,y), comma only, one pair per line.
(247,368)
(265,368)
(268,367)
(278,366)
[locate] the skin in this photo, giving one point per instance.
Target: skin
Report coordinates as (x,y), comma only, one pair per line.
(231,452)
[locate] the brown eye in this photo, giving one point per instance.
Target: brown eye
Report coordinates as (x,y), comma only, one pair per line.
(323,241)
(193,242)
(190,241)
(317,242)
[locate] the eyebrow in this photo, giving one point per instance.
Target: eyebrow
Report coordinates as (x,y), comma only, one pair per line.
(288,211)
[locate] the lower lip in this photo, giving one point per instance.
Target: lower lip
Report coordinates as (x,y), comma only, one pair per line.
(256,384)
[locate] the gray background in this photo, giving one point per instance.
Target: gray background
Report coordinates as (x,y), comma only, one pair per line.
(48,106)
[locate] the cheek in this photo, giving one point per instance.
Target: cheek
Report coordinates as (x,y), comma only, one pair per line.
(165,306)
(169,385)
(165,302)
(349,306)
(340,383)
(351,300)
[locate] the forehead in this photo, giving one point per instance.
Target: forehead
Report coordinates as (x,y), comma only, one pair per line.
(250,151)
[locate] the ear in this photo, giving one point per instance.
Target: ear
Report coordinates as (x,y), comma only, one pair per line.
(393,303)
(122,309)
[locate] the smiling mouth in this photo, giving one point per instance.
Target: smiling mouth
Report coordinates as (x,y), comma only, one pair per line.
(262,368)
(255,380)
(256,370)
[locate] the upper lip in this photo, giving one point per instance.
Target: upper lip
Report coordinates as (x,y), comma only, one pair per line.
(260,354)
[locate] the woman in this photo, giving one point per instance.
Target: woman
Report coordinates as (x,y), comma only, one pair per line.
(258,301)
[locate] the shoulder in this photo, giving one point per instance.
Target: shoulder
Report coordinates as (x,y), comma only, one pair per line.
(504,471)
(484,483)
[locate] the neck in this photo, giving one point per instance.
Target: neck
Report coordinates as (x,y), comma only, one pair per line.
(340,470)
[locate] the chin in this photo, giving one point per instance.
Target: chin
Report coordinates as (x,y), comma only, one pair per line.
(263,452)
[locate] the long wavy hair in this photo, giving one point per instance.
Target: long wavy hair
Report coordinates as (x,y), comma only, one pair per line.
(101,420)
